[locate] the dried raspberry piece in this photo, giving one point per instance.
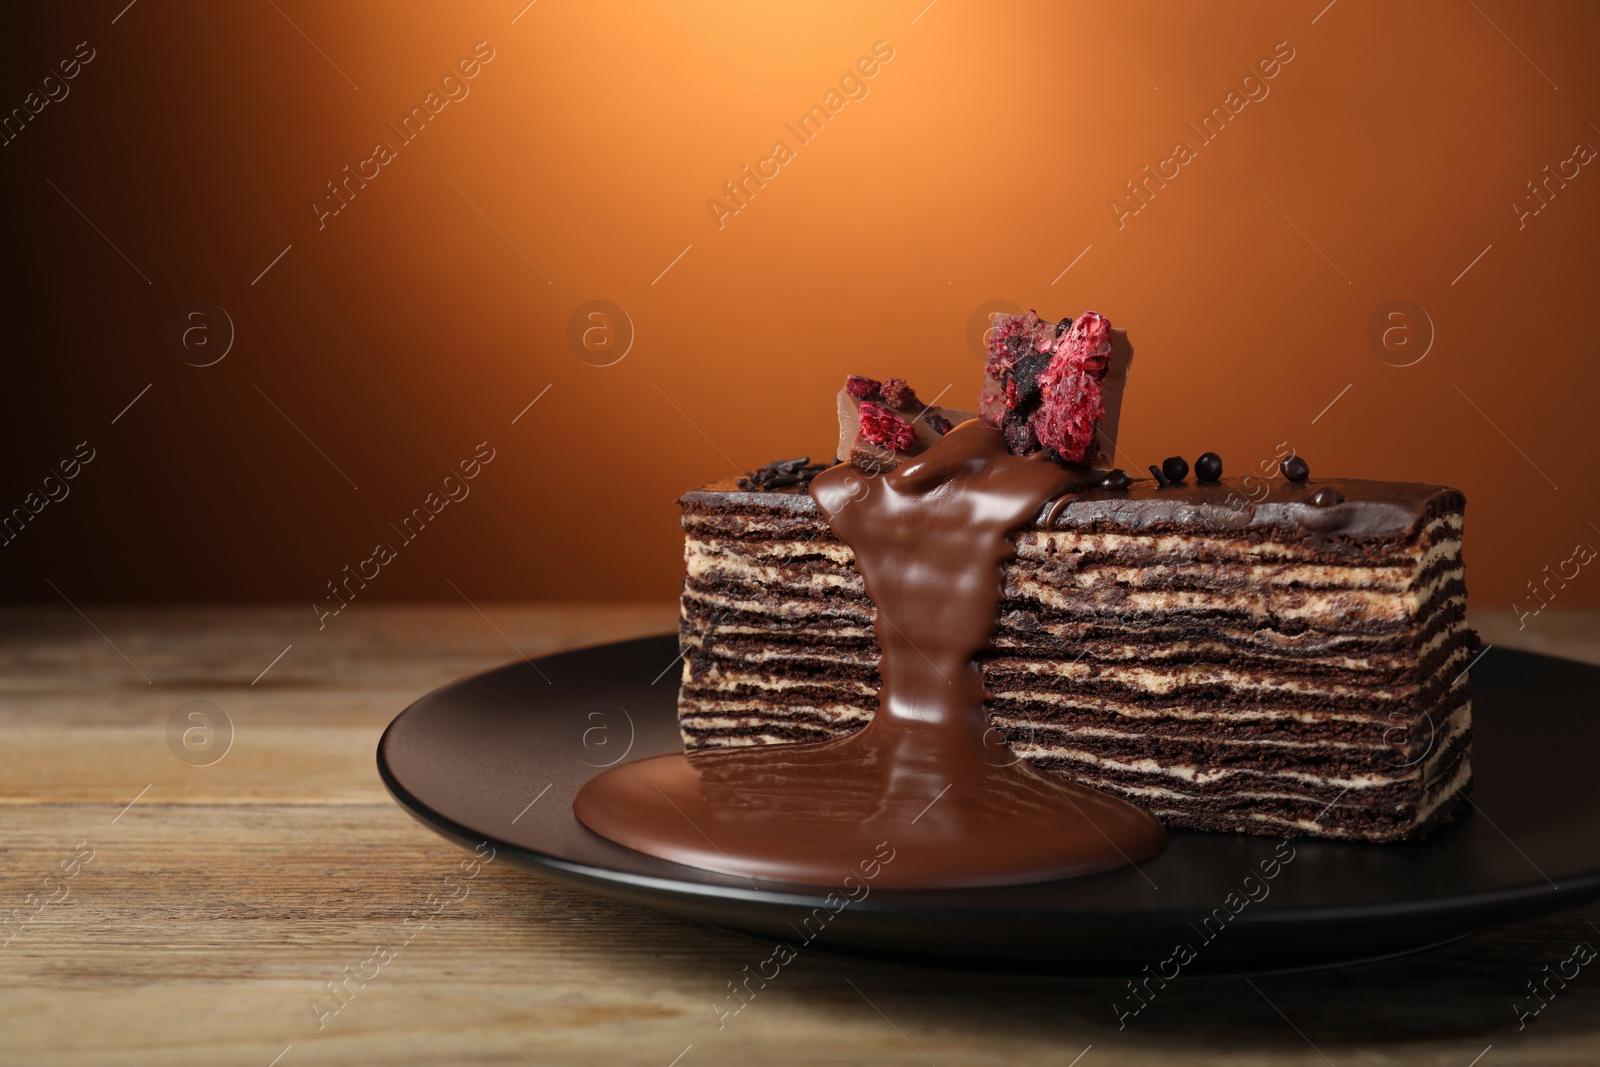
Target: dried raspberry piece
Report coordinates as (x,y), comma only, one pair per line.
(937,423)
(1070,410)
(862,388)
(898,395)
(1019,436)
(1088,343)
(884,428)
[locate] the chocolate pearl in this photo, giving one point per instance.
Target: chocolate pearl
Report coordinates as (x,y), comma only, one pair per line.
(1295,469)
(1176,468)
(1208,468)
(1116,479)
(1327,496)
(1161,479)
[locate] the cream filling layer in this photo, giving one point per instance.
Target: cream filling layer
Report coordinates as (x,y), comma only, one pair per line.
(1425,810)
(1160,683)
(1337,608)
(710,560)
(1267,651)
(762,533)
(1036,543)
(1345,604)
(723,629)
(1196,775)
(731,674)
(1099,651)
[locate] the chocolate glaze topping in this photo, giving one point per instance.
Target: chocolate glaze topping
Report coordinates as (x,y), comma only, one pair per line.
(956,811)
(1369,509)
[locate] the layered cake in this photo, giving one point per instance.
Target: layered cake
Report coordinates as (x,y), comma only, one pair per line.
(1277,657)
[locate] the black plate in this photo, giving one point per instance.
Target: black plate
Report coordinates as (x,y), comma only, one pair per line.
(498,757)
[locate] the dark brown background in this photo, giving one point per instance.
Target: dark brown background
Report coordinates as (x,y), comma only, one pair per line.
(1383,163)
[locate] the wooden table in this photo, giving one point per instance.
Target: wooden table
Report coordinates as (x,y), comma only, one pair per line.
(219,899)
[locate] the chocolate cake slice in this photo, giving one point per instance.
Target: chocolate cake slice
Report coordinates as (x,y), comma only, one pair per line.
(1281,666)
(1283,657)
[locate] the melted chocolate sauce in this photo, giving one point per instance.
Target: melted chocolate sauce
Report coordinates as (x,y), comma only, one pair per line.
(929,539)
(1055,509)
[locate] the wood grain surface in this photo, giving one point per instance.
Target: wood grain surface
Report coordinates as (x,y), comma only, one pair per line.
(220,899)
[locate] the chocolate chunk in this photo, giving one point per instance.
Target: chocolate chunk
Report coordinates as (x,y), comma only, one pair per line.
(1326,497)
(1295,469)
(1067,376)
(782,473)
(1176,468)
(1208,468)
(1116,479)
(871,451)
(1025,381)
(1019,436)
(1161,479)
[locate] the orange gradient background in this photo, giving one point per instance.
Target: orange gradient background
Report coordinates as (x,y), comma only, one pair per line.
(419,321)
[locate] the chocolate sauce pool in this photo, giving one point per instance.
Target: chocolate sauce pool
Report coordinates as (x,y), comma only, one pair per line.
(929,539)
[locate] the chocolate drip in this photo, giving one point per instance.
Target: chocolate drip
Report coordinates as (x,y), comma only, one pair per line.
(1055,509)
(925,776)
